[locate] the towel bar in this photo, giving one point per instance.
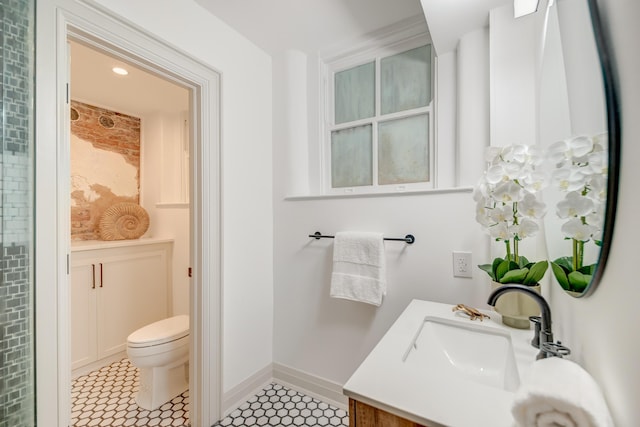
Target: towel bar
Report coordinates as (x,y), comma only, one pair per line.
(409,239)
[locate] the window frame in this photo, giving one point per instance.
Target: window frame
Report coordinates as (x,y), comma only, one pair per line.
(376,49)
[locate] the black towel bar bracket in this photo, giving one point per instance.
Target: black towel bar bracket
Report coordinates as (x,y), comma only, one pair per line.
(409,239)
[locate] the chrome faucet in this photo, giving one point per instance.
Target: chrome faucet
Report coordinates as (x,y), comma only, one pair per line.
(546,335)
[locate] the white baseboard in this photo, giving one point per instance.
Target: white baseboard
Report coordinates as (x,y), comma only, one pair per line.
(246,389)
(306,383)
(311,385)
(94,366)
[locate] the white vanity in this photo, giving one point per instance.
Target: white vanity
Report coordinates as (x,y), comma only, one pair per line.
(436,367)
(116,288)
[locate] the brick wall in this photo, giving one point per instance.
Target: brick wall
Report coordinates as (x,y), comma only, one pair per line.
(107,131)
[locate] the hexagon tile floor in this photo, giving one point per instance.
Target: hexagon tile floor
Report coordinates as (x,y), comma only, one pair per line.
(277,406)
(105,398)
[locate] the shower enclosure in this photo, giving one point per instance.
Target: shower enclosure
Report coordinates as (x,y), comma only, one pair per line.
(17,375)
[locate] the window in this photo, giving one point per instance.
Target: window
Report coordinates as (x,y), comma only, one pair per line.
(379,127)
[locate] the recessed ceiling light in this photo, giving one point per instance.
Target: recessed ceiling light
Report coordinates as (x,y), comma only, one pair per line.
(119,70)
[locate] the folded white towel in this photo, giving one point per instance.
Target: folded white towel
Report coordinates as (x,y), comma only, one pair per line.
(560,393)
(359,267)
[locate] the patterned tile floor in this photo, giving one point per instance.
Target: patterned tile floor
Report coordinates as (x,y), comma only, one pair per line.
(105,398)
(276,406)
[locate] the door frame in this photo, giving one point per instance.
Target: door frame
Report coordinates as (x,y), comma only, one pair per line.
(89,23)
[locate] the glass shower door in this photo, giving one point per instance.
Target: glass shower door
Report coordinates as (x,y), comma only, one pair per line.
(17,376)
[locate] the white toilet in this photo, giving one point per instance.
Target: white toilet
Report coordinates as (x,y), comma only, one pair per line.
(161,352)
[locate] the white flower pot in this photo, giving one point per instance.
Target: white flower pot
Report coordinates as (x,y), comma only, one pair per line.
(516,307)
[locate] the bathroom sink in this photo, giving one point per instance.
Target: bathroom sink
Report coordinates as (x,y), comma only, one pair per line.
(464,352)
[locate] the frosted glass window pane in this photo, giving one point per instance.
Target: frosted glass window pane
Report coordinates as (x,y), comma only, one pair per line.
(351,157)
(405,80)
(403,150)
(355,93)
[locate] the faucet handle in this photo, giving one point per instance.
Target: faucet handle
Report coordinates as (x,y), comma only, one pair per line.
(555,349)
(536,336)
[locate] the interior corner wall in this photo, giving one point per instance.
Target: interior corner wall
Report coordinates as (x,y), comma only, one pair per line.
(246,137)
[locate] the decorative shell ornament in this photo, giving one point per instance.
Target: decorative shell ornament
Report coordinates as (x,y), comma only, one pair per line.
(123,221)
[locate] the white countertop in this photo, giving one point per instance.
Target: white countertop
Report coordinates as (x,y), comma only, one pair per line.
(432,398)
(88,245)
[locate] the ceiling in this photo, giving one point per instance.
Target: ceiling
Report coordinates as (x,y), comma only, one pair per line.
(136,94)
(308,25)
(274,26)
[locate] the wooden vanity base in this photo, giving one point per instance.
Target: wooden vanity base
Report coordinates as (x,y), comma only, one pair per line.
(363,415)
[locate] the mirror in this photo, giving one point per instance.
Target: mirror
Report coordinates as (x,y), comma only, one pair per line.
(579,127)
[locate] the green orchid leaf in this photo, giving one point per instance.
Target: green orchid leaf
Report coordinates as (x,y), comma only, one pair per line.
(515,276)
(578,281)
(494,267)
(523,262)
(536,272)
(566,262)
(561,275)
(503,268)
(489,269)
(588,269)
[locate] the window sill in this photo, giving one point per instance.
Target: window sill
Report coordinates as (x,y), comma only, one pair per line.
(387,194)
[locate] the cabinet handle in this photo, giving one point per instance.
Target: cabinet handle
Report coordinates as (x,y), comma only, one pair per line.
(101,275)
(93,276)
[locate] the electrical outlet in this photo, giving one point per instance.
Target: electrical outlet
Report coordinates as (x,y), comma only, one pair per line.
(462,264)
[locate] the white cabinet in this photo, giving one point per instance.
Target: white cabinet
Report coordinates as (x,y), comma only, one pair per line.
(116,288)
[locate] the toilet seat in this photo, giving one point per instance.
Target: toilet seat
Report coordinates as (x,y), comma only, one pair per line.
(160,332)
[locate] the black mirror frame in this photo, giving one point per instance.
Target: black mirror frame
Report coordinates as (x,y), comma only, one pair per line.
(610,80)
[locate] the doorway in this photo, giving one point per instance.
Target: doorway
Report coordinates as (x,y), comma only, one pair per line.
(108,34)
(129,158)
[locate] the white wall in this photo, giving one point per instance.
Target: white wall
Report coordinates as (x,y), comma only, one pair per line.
(161,155)
(602,329)
(328,338)
(513,77)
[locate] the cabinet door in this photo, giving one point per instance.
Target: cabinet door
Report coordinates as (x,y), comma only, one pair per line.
(132,292)
(83,314)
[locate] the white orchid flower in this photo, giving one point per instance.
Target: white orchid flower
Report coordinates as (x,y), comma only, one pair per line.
(508,192)
(557,153)
(526,228)
(576,230)
(599,162)
(535,156)
(535,181)
(568,179)
(574,205)
(597,188)
(502,214)
(514,153)
(532,207)
(596,219)
(580,146)
(501,232)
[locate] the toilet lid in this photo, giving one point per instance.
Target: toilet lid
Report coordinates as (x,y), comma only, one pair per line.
(160,332)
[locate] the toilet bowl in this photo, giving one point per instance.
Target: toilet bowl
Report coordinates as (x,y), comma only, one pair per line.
(161,352)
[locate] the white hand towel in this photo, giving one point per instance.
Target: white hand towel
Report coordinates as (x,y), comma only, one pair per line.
(359,267)
(560,393)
